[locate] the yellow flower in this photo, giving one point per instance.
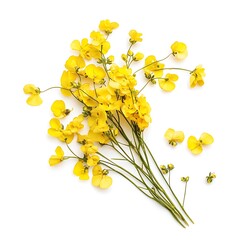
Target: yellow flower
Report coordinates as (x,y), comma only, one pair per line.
(34,99)
(100,178)
(95,73)
(93,160)
(67,82)
(56,159)
(98,137)
(195,146)
(135,36)
(57,130)
(83,47)
(89,148)
(167,84)
(185,179)
(97,122)
(179,50)
(81,170)
(59,109)
(174,137)
(196,77)
(107,26)
(138,56)
(153,67)
(74,64)
(76,124)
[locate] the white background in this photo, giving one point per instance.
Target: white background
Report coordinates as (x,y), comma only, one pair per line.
(39,202)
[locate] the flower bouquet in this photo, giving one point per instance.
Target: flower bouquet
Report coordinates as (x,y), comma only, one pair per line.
(114,116)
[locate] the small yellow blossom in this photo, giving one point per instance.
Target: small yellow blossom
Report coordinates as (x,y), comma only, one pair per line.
(210,177)
(56,159)
(174,137)
(153,67)
(170,166)
(92,160)
(97,122)
(138,56)
(83,47)
(195,146)
(81,170)
(167,84)
(59,109)
(57,130)
(34,99)
(95,73)
(107,26)
(135,36)
(179,50)
(76,124)
(100,178)
(74,64)
(89,148)
(196,77)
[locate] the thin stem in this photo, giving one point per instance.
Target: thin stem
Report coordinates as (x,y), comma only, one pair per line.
(185,191)
(72,151)
(153,63)
(144,85)
(169,177)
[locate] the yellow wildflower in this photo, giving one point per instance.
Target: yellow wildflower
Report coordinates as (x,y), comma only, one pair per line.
(167,84)
(179,50)
(135,36)
(107,26)
(92,160)
(59,109)
(100,137)
(83,47)
(95,73)
(87,95)
(174,137)
(74,64)
(76,124)
(195,146)
(56,159)
(89,148)
(196,77)
(57,130)
(97,122)
(34,99)
(100,178)
(153,67)
(81,170)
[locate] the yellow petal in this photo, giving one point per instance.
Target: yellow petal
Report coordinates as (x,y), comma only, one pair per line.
(84,176)
(29,89)
(59,152)
(34,100)
(206,139)
(178,136)
(106,182)
(58,108)
(97,170)
(194,145)
(78,169)
(55,123)
(75,45)
(96,180)
(167,86)
(169,134)
(54,160)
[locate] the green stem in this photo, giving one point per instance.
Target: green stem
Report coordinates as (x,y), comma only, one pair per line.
(185,191)
(153,63)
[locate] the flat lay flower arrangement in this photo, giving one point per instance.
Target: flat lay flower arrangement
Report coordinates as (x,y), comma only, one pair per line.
(115,114)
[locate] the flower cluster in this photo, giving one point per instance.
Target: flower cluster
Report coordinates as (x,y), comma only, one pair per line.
(114,114)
